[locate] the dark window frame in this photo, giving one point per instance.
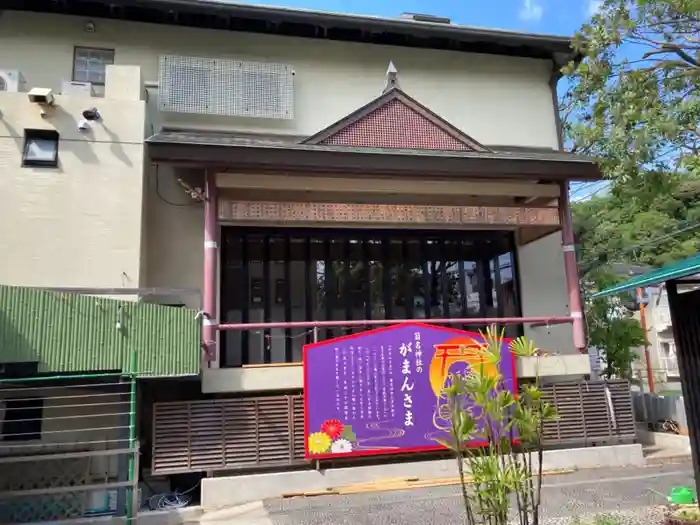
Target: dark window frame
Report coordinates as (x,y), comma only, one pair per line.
(89,48)
(25,421)
(40,134)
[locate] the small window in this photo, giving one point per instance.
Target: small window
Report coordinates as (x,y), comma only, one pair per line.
(22,420)
(40,148)
(90,64)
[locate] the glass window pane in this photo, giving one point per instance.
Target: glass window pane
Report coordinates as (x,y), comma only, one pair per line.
(96,77)
(81,76)
(90,64)
(41,149)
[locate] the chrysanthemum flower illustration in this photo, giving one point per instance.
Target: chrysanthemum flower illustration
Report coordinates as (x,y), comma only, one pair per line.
(341,446)
(333,428)
(319,442)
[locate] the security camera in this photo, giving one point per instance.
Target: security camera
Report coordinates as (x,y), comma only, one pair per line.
(43,96)
(91,114)
(83,125)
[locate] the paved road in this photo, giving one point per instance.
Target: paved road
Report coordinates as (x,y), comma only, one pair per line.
(603,490)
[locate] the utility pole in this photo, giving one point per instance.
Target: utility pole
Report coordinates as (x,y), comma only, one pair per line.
(647,356)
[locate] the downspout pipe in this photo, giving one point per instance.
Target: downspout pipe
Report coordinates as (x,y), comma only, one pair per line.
(211,252)
(572,280)
(554,77)
(573,284)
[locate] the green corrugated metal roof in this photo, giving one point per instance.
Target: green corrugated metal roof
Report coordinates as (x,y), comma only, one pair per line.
(676,270)
(67,332)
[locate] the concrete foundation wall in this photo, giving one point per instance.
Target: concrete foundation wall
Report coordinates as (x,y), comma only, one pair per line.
(219,380)
(223,492)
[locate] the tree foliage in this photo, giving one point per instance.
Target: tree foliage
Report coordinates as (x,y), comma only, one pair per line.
(633,99)
(611,329)
(652,220)
(633,102)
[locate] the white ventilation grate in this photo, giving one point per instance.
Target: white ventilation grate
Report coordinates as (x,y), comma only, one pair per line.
(213,86)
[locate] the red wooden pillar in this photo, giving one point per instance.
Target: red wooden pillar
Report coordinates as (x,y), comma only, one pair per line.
(211,247)
(572,281)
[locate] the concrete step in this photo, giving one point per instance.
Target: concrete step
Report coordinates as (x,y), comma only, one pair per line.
(253,513)
(656,455)
(684,459)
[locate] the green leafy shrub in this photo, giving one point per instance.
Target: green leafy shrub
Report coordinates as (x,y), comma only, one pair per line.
(482,409)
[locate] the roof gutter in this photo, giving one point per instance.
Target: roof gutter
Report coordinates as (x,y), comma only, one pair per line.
(557,47)
(364,21)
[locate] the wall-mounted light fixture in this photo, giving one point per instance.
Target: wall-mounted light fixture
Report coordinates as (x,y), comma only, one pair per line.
(89,115)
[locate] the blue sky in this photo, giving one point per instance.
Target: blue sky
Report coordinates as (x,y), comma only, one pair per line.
(561,17)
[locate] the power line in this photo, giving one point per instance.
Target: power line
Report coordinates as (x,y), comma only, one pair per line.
(585,186)
(581,187)
(590,265)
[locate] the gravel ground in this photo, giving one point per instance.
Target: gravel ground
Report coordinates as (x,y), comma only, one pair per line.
(625,492)
(640,516)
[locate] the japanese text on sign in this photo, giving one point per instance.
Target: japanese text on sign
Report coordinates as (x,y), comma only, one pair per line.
(408,383)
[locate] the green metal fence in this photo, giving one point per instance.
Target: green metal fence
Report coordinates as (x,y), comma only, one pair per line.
(68,447)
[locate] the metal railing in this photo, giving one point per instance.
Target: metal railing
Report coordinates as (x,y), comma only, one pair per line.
(68,447)
(670,365)
(533,321)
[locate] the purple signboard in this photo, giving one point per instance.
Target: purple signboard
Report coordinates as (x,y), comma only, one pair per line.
(380,391)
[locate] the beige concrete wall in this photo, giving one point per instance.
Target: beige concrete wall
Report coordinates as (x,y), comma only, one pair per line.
(497,100)
(78,224)
(174,234)
(544,293)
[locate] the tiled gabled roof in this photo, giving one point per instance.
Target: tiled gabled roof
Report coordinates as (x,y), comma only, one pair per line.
(395,121)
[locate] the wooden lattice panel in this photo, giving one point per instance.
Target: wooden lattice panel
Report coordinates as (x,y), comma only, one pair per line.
(264,432)
(588,415)
(226,434)
(419,215)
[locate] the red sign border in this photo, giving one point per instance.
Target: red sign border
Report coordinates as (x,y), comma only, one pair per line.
(307,456)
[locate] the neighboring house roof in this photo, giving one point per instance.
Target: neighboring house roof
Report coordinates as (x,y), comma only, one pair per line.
(394,120)
(68,332)
(214,14)
(678,270)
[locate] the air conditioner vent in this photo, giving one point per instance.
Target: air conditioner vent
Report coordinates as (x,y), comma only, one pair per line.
(213,86)
(422,17)
(77,89)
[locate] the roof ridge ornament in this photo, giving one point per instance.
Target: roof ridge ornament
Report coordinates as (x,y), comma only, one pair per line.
(392,78)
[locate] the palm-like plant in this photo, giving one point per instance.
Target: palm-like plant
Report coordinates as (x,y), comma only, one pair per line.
(482,408)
